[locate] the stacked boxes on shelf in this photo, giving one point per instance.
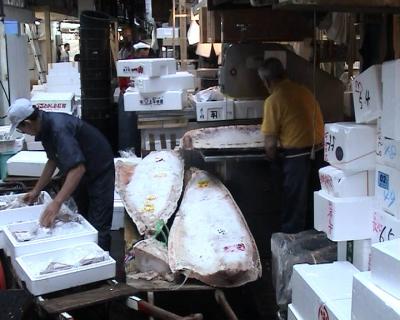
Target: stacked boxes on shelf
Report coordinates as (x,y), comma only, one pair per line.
(64,77)
(154,84)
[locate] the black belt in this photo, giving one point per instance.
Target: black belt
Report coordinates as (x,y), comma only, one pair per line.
(299,152)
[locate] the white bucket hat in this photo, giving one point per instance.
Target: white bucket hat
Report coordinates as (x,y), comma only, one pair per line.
(18,112)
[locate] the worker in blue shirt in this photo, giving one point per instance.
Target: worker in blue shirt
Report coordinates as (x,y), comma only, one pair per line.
(83,156)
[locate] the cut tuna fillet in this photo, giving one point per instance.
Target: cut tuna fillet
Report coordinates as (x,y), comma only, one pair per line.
(228,137)
(151,189)
(209,239)
(151,255)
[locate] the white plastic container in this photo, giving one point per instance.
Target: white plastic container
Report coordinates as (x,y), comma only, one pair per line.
(385,266)
(367,94)
(357,252)
(343,219)
(369,302)
(350,146)
(170,82)
(339,183)
(384,227)
(168,100)
(27,163)
(387,189)
(27,267)
(52,101)
(314,286)
(146,67)
(391,99)
(213,110)
(15,248)
(248,109)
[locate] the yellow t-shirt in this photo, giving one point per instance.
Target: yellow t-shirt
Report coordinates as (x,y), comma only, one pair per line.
(289,113)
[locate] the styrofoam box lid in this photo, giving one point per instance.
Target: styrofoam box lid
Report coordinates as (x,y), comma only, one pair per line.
(58,96)
(29,157)
(375,302)
(330,281)
(63,279)
(390,248)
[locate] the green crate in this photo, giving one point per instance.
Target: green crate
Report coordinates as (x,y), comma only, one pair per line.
(4,156)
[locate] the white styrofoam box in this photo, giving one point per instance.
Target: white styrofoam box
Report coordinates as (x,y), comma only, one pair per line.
(15,248)
(388,152)
(63,67)
(350,146)
(168,100)
(27,163)
(26,268)
(391,99)
(293,314)
(367,94)
(343,219)
(385,266)
(178,81)
(52,101)
(9,216)
(146,67)
(34,146)
(384,227)
(369,302)
(118,215)
(64,79)
(387,189)
(339,183)
(336,310)
(214,110)
(313,286)
(248,109)
(357,252)
(167,33)
(74,89)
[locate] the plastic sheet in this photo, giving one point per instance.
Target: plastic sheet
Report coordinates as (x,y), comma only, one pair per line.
(289,249)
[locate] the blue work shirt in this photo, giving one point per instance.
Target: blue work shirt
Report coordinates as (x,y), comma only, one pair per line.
(70,141)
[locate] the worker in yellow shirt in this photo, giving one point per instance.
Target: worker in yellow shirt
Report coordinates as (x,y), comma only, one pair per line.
(294,133)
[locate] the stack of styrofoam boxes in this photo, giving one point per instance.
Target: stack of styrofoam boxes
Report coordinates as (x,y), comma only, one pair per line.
(55,102)
(343,209)
(64,77)
(376,294)
(155,84)
(322,291)
(27,164)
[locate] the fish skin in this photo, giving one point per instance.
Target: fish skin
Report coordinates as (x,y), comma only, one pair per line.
(210,239)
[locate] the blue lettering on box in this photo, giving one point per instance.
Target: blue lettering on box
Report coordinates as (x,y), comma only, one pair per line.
(383,180)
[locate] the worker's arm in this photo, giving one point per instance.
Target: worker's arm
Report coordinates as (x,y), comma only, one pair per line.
(43,181)
(270,143)
(72,180)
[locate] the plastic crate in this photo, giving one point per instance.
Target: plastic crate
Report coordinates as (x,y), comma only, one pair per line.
(4,156)
(161,139)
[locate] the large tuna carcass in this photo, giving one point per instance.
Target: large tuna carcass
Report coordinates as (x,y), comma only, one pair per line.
(151,189)
(209,239)
(226,137)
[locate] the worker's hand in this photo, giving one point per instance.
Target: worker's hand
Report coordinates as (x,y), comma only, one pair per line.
(49,214)
(31,197)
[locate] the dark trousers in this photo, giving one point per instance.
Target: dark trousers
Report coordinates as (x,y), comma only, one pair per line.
(300,180)
(95,201)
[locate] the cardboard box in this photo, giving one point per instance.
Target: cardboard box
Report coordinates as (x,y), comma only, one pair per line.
(168,100)
(52,101)
(146,67)
(357,252)
(343,219)
(27,164)
(369,302)
(350,146)
(339,183)
(27,267)
(387,189)
(15,248)
(248,109)
(367,94)
(384,227)
(174,82)
(385,266)
(314,286)
(391,99)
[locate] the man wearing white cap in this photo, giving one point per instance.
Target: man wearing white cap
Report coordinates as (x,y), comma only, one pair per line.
(142,50)
(83,156)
